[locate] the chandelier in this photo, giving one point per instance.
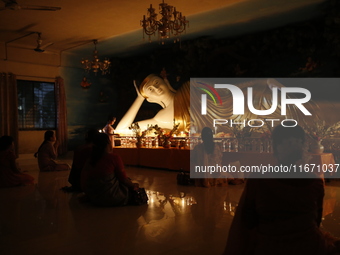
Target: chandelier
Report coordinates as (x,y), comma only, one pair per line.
(95,65)
(171,23)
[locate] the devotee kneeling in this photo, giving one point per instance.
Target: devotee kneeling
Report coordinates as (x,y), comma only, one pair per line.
(103,178)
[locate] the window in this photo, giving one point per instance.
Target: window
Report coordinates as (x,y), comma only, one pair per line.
(36,105)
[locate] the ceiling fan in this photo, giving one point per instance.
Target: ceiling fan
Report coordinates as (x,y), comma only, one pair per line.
(39,47)
(13,5)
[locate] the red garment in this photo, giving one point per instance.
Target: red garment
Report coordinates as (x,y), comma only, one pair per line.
(110,163)
(8,175)
(81,154)
(104,183)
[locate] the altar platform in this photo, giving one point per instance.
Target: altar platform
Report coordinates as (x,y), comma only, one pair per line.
(179,159)
(170,159)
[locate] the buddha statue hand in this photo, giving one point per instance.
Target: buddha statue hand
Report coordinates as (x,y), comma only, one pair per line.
(139,95)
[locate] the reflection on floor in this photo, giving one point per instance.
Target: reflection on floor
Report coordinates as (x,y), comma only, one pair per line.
(42,219)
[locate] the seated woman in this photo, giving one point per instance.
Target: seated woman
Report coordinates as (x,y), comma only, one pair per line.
(281,215)
(80,155)
(103,178)
(207,154)
(47,154)
(10,174)
(175,105)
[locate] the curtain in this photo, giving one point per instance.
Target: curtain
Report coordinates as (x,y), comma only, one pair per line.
(9,107)
(60,100)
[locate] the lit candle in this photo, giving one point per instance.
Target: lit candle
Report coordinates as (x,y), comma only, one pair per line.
(183,202)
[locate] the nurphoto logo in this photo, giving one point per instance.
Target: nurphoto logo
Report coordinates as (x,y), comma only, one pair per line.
(238,99)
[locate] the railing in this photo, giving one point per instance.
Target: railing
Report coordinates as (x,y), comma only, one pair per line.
(154,142)
(331,145)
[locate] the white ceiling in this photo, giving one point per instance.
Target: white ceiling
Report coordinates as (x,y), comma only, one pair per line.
(79,22)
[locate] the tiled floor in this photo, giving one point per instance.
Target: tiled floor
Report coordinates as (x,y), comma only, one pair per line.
(42,219)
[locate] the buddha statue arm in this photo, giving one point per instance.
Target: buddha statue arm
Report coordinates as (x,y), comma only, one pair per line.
(130,115)
(164,119)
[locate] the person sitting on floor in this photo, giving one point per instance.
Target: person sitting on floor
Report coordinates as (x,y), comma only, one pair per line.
(81,154)
(103,178)
(208,154)
(10,174)
(47,154)
(282,215)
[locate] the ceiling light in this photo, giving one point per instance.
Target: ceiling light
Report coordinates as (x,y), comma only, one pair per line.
(171,23)
(95,65)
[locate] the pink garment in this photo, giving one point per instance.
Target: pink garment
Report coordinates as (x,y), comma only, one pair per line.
(46,159)
(9,177)
(199,157)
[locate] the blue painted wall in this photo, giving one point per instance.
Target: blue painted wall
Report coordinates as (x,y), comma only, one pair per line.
(87,108)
